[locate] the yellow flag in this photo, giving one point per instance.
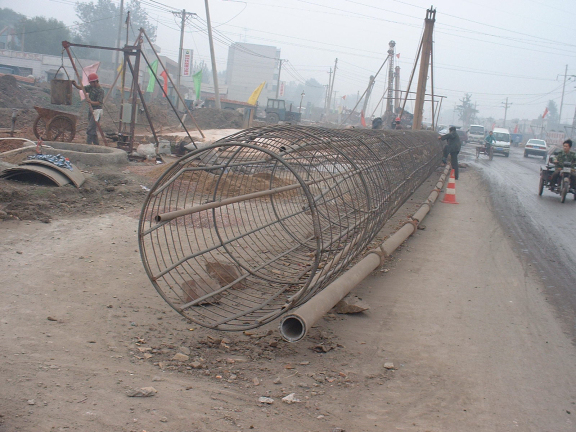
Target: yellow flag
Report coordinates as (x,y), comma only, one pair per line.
(256,94)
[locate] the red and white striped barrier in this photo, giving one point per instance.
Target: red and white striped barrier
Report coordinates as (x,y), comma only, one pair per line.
(450,195)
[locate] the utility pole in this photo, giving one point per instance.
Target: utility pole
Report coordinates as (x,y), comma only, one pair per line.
(573,124)
(118,42)
(326,104)
(123,81)
(506,105)
(390,100)
(397,94)
(22,41)
(331,86)
(212,56)
(183,16)
(278,81)
(562,99)
(424,63)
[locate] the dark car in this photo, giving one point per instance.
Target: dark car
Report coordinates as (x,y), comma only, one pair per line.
(463,135)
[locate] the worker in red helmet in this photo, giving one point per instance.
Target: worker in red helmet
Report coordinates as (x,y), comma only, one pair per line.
(95,98)
(398,124)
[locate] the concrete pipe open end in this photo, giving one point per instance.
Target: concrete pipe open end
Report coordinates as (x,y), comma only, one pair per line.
(293,328)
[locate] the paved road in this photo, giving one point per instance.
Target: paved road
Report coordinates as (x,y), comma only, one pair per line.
(542,226)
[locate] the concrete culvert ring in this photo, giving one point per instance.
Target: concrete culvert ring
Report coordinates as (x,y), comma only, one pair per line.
(83,155)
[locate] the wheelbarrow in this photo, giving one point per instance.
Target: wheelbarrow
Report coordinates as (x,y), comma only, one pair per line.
(53,125)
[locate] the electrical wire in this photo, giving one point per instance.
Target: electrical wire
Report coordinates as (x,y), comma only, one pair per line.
(71,26)
(493,26)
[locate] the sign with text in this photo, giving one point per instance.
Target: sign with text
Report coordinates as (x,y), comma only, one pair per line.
(187,63)
(281,92)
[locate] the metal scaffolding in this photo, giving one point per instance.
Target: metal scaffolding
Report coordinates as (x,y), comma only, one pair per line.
(235,234)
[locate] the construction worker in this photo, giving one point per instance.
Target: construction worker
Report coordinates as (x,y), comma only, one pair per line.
(452,148)
(398,124)
(95,97)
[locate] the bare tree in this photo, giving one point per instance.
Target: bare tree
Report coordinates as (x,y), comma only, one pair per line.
(466,111)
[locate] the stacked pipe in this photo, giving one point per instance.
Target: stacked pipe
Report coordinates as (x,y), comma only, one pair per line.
(237,233)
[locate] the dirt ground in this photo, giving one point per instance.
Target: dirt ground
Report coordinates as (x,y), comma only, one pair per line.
(458,336)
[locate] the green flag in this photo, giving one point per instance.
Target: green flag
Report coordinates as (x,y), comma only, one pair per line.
(197,83)
(152,81)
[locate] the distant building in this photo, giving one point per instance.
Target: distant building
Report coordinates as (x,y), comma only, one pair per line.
(248,66)
(43,67)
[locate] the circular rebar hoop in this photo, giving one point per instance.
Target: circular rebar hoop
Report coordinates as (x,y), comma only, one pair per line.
(237,233)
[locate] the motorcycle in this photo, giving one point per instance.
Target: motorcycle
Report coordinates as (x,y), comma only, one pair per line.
(563,185)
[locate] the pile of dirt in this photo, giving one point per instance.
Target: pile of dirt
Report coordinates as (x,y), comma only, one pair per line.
(210,118)
(24,120)
(104,191)
(229,186)
(14,94)
(207,118)
(237,359)
(10,144)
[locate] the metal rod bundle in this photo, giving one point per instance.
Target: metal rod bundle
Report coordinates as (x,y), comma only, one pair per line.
(235,234)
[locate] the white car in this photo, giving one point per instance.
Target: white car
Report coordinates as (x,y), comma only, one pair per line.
(536,147)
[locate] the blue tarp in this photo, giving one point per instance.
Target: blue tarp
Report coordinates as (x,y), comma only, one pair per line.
(57,160)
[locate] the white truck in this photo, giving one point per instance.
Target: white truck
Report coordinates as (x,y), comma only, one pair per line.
(502,144)
(476,134)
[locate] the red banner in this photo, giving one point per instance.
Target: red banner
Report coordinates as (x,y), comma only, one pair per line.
(164,75)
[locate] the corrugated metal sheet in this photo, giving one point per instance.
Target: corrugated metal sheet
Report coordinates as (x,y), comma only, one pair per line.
(23,170)
(75,175)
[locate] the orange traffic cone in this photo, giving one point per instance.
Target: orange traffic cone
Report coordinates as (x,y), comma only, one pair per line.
(450,195)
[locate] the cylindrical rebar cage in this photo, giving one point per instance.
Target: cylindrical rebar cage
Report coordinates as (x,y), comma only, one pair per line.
(237,233)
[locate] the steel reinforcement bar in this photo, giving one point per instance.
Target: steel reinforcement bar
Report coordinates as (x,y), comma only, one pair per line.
(235,234)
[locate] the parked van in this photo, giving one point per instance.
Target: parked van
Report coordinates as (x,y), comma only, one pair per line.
(476,134)
(502,144)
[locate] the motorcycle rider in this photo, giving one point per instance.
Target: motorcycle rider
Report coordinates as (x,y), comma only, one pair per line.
(564,156)
(488,141)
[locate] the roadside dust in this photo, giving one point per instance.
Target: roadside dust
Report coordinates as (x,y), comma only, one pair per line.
(98,305)
(83,329)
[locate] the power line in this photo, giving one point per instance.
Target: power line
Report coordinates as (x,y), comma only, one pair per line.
(492,26)
(71,26)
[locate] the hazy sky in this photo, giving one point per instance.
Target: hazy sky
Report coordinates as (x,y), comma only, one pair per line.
(492,49)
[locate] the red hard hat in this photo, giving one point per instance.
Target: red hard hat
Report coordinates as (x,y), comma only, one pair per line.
(397,118)
(92,77)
